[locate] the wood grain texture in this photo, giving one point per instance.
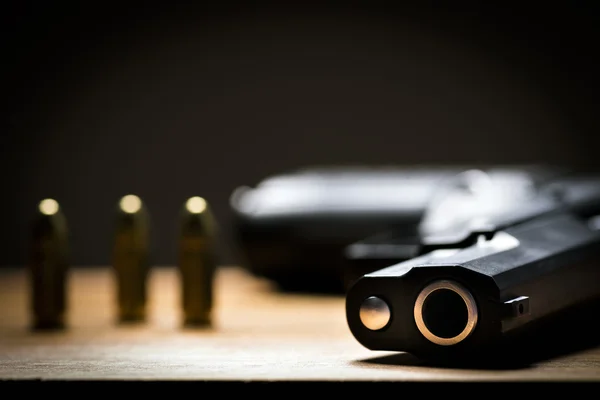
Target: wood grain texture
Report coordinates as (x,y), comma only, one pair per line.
(259,334)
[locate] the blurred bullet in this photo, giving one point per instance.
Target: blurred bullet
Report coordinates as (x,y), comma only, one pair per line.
(130,258)
(197,261)
(49,266)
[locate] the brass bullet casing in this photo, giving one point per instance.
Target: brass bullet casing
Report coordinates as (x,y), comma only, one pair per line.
(197,262)
(130,259)
(49,266)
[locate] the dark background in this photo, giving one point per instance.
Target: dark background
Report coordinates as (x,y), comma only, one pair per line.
(172,101)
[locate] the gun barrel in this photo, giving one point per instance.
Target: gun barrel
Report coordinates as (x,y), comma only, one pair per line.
(445,312)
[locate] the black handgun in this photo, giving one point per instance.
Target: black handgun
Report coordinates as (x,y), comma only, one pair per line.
(496,255)
(295,227)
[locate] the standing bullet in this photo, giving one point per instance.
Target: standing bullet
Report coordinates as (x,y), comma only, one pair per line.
(197,262)
(130,258)
(48,266)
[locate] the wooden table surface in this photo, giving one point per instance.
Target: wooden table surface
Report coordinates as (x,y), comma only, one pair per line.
(259,335)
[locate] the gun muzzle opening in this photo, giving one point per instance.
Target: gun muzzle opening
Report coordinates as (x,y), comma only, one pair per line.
(445,312)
